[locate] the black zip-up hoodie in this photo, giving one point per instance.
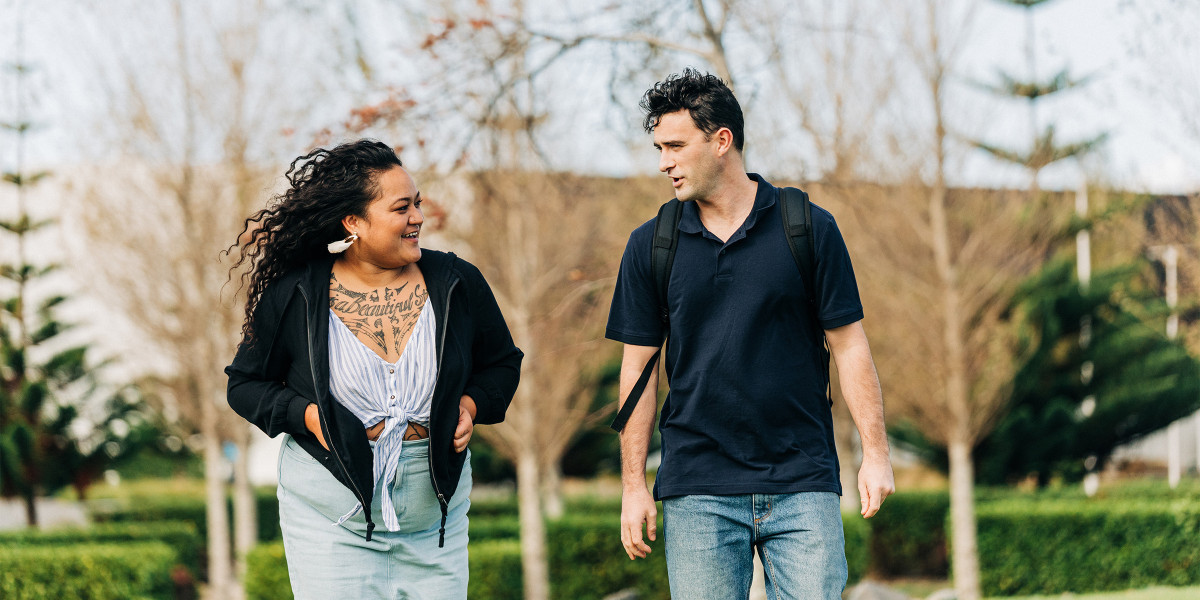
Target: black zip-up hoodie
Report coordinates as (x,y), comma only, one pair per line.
(286,367)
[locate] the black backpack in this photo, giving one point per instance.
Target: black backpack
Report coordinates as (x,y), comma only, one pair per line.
(797,223)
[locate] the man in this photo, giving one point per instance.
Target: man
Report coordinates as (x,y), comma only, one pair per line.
(748,459)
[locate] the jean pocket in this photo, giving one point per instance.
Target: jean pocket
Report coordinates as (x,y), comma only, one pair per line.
(313,484)
(292,449)
(416,501)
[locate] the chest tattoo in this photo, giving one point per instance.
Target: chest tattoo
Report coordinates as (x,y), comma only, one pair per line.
(383,319)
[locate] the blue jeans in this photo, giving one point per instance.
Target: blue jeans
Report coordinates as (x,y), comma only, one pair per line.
(710,543)
(332,561)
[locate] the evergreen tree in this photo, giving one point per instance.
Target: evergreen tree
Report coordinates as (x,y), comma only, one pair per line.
(45,441)
(1074,403)
(1044,148)
(1135,380)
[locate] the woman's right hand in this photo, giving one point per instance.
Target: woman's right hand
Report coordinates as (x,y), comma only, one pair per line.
(313,422)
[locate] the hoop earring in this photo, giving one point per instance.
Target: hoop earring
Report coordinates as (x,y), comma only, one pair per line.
(341,245)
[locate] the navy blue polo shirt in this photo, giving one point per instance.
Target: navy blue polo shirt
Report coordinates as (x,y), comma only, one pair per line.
(746,412)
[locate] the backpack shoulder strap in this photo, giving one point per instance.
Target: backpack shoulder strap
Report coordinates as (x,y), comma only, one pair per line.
(797,223)
(666,239)
(662,258)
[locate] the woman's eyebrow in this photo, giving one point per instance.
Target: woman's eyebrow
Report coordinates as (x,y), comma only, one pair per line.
(407,199)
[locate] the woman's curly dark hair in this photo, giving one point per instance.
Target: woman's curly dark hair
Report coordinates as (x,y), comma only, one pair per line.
(294,228)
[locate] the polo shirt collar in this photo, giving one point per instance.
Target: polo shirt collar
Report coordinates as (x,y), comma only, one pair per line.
(764,198)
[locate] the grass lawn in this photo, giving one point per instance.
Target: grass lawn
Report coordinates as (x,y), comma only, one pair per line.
(922,588)
(1154,593)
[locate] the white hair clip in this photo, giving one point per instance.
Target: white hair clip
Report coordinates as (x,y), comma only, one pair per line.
(340,246)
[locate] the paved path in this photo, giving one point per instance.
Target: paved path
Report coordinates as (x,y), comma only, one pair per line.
(51,513)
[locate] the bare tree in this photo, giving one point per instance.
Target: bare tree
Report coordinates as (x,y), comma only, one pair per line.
(542,239)
(949,261)
(1168,75)
(835,82)
(193,118)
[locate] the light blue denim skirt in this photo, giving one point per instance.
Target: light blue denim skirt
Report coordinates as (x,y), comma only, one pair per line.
(336,561)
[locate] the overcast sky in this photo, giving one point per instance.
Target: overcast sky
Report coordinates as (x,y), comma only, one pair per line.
(1146,149)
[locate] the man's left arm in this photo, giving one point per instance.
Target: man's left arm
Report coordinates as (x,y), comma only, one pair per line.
(860,386)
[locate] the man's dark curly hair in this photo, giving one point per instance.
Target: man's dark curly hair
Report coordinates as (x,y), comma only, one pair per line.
(703,95)
(294,228)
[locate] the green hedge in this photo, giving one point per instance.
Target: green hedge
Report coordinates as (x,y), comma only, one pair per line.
(493,507)
(94,571)
(586,560)
(1058,547)
(858,546)
(495,570)
(181,536)
(507,506)
(588,563)
(182,508)
(486,529)
(266,573)
(908,536)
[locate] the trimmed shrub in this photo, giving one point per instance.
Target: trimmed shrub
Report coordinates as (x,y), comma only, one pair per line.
(858,546)
(493,507)
(584,551)
(507,506)
(486,529)
(183,508)
(267,573)
(94,571)
(587,561)
(1057,547)
(181,536)
(266,513)
(495,570)
(908,536)
(593,505)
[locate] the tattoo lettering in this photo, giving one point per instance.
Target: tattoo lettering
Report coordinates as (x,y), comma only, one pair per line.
(384,318)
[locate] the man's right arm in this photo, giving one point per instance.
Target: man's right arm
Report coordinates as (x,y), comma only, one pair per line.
(637,505)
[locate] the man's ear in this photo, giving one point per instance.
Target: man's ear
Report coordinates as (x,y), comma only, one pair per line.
(724,141)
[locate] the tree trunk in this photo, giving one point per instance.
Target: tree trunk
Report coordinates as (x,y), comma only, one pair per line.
(845,438)
(962,519)
(552,496)
(220,577)
(31,517)
(245,513)
(533,528)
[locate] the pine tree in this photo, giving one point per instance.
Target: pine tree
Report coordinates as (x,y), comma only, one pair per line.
(1044,148)
(1135,380)
(1059,424)
(43,381)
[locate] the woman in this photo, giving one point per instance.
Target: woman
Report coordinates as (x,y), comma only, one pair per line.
(376,359)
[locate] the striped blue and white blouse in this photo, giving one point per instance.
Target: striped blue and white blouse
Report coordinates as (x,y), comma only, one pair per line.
(376,390)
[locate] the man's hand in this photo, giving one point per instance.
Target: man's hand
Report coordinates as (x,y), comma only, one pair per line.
(313,422)
(637,509)
(466,423)
(875,482)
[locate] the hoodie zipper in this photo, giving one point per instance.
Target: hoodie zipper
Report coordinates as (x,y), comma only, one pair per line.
(325,423)
(441,347)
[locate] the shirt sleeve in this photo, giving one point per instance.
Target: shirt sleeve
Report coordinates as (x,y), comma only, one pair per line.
(633,316)
(837,288)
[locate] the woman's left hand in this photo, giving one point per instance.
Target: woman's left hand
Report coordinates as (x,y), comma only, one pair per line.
(466,423)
